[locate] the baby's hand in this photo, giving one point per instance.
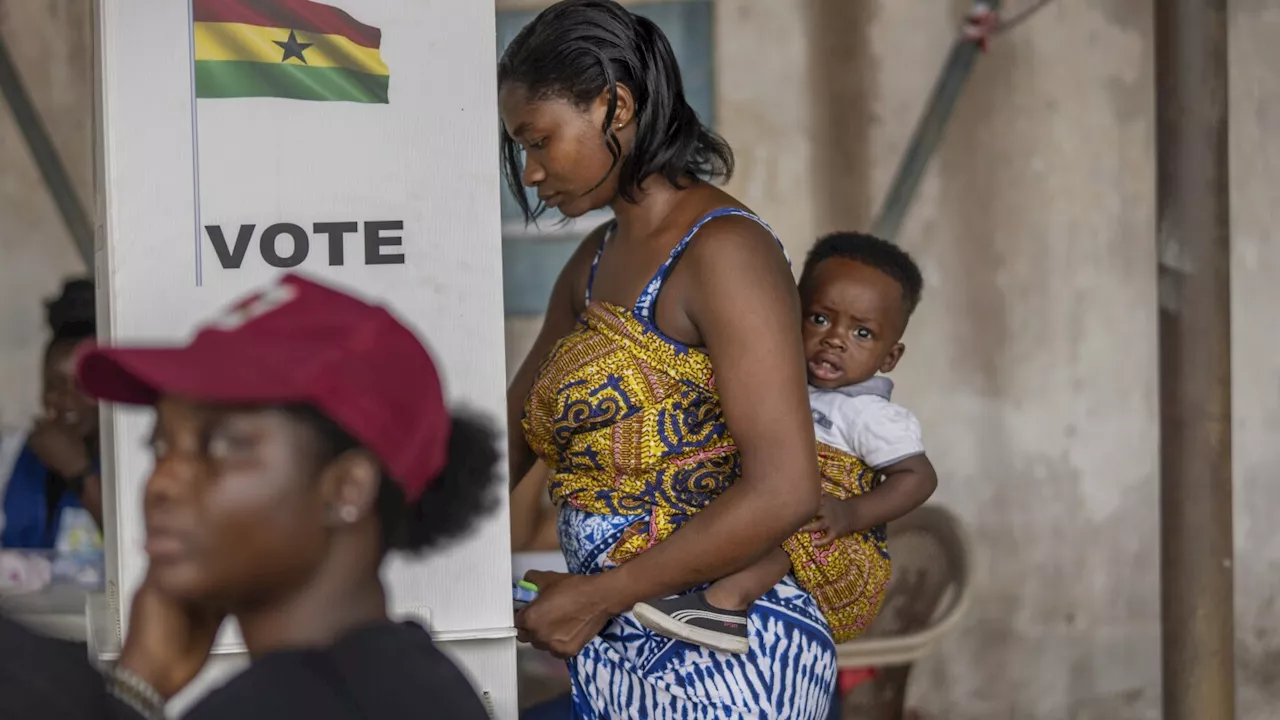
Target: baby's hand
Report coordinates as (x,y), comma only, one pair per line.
(836,518)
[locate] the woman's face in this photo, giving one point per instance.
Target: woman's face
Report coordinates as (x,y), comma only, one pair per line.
(566,158)
(235,514)
(63,400)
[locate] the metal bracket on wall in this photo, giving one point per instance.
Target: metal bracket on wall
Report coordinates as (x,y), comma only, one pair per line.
(46,157)
(928,133)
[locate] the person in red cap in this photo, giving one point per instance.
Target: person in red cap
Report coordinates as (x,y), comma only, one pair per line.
(298,438)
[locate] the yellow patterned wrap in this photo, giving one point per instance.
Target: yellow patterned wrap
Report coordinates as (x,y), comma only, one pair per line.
(848,578)
(629,421)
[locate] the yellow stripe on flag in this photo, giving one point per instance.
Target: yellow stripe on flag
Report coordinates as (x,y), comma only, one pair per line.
(251,43)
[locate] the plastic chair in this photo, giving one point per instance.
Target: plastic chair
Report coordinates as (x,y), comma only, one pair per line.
(926,599)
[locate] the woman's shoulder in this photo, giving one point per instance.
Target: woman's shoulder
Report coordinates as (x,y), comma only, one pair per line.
(732,240)
(724,224)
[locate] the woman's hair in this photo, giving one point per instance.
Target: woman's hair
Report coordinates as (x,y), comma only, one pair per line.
(577,49)
(71,315)
(462,492)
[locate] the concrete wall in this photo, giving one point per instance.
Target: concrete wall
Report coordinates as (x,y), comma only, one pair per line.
(1255,176)
(52,45)
(1032,361)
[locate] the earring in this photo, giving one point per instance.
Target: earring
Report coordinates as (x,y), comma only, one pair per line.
(348,514)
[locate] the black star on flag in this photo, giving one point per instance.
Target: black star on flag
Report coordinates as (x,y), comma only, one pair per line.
(293,48)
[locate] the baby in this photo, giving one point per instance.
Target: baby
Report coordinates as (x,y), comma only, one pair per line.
(857,293)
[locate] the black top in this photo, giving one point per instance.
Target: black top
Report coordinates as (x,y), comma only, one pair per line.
(384,671)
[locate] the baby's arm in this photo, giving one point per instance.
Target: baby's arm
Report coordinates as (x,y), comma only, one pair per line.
(887,437)
(907,485)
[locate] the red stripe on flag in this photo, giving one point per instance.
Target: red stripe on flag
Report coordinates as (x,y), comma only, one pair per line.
(301,15)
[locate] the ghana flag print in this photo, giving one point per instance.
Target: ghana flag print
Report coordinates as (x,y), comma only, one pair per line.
(295,49)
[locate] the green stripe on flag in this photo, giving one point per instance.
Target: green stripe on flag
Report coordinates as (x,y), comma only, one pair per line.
(232,79)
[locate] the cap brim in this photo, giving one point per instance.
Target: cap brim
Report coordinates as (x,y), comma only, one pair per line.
(140,376)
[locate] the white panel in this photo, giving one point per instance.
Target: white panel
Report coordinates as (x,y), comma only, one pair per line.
(427,161)
(491,667)
(146,200)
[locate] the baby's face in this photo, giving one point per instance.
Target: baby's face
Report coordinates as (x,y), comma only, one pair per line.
(854,316)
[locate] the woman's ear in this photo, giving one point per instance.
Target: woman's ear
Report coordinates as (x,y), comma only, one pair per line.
(625,112)
(350,484)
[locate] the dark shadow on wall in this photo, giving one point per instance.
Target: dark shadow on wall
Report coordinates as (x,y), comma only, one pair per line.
(843,75)
(967,166)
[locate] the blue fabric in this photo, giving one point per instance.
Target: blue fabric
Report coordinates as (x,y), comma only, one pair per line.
(561,708)
(628,671)
(26,509)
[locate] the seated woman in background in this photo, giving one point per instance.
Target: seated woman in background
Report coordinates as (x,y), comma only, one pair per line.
(49,475)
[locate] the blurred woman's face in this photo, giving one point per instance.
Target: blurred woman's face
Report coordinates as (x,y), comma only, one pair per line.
(566,159)
(234,514)
(63,400)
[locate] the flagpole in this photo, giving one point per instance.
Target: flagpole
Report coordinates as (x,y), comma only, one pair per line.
(195,144)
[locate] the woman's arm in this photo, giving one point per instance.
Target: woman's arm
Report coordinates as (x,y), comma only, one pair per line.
(746,308)
(68,455)
(563,308)
(526,508)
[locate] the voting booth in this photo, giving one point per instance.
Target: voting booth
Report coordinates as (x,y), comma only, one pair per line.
(354,141)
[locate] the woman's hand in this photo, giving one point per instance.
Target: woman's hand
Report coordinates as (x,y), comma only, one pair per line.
(168,641)
(59,448)
(570,610)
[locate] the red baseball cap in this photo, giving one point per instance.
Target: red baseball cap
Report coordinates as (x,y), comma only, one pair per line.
(300,342)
